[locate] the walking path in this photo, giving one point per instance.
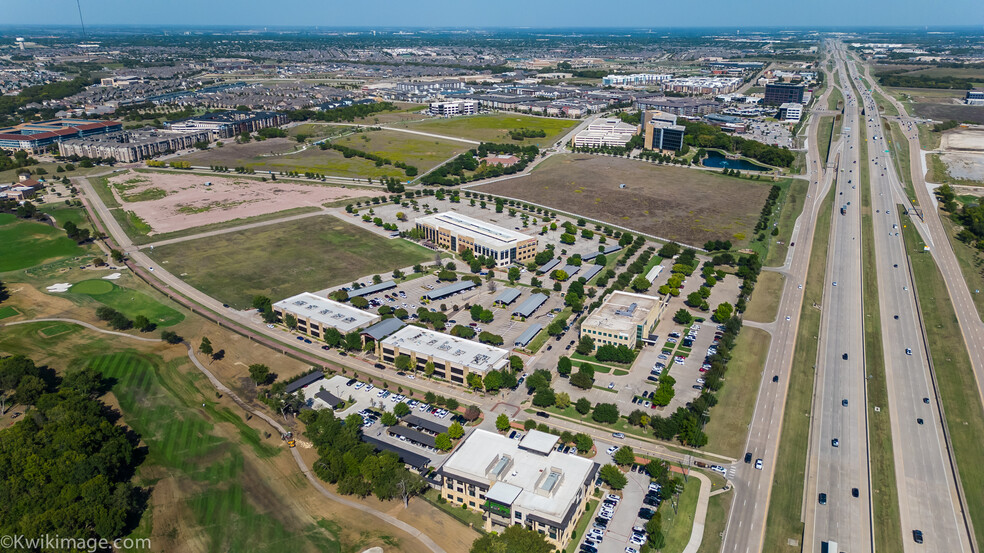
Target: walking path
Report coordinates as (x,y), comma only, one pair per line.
(700,515)
(301,464)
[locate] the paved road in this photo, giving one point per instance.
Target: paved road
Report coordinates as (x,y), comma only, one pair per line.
(746,523)
(928,498)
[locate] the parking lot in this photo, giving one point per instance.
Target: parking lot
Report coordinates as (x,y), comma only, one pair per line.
(617,524)
(774,133)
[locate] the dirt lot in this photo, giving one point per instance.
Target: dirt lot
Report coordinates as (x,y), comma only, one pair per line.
(180,201)
(679,204)
(963,140)
(943,112)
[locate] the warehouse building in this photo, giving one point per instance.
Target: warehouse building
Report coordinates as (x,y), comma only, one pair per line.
(132,146)
(527,482)
(456,232)
(623,319)
(605,132)
(452,108)
(453,358)
(315,314)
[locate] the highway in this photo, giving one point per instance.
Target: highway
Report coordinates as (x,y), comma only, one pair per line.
(745,528)
(928,499)
(838,454)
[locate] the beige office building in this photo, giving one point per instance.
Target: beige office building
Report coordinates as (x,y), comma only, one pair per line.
(454,358)
(624,319)
(525,482)
(457,232)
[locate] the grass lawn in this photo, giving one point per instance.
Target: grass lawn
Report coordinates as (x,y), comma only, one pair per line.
(971,263)
(422,152)
(582,525)
(785,506)
(954,375)
(727,428)
(929,140)
(835,99)
(464,516)
(28,243)
(8,311)
(764,305)
(64,213)
(678,526)
(888,525)
(495,127)
(284,259)
(824,132)
(900,155)
(715,521)
(144,239)
(792,199)
(129,302)
(686,205)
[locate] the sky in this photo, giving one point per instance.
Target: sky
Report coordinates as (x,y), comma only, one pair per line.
(499,13)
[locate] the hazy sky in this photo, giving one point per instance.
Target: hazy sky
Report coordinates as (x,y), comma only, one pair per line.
(499,13)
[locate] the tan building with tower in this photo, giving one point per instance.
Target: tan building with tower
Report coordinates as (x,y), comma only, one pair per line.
(624,319)
(526,482)
(456,232)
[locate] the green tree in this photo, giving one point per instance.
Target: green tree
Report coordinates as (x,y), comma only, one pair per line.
(529,424)
(583,442)
(683,317)
(259,373)
(564,365)
(401,409)
(171,337)
(429,368)
(290,321)
(443,442)
(514,274)
(205,348)
(605,412)
(514,539)
(624,456)
(492,381)
(403,362)
(641,283)
(451,403)
(502,422)
(353,341)
(723,312)
(474,381)
(582,406)
(389,419)
(545,397)
(562,400)
(611,475)
(585,345)
(456,431)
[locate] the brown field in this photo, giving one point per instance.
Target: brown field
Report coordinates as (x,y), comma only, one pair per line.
(685,205)
(188,203)
(943,112)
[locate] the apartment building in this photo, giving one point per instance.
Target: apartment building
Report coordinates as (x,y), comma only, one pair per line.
(637,79)
(662,132)
(456,232)
(453,358)
(132,146)
(605,132)
(679,106)
(315,314)
(623,319)
(226,124)
(525,482)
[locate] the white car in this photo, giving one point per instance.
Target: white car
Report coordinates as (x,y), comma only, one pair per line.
(718,469)
(611,450)
(631,550)
(758,464)
(636,539)
(613,497)
(359,385)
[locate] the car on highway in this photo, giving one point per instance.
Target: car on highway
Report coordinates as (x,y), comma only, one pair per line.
(822,499)
(908,351)
(835,442)
(917,536)
(854,492)
(758,464)
(926,400)
(748,457)
(775,378)
(844,402)
(920,421)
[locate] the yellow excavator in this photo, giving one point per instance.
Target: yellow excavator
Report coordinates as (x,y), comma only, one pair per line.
(289,438)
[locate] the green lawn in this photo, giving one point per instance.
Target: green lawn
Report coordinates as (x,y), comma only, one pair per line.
(8,311)
(28,243)
(129,302)
(284,259)
(824,132)
(727,428)
(792,199)
(888,525)
(971,262)
(421,152)
(495,127)
(467,517)
(582,524)
(954,375)
(715,522)
(764,305)
(785,506)
(834,99)
(900,155)
(678,526)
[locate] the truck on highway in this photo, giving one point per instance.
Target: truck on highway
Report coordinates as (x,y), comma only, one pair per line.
(828,547)
(843,210)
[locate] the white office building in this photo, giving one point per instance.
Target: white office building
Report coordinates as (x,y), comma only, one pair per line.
(605,132)
(457,107)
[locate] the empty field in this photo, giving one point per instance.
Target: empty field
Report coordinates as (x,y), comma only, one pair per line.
(424,153)
(495,127)
(285,259)
(685,205)
(957,112)
(28,243)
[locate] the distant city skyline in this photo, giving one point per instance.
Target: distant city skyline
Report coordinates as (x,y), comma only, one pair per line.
(504,13)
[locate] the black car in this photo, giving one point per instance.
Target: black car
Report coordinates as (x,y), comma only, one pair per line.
(854,492)
(351,382)
(917,536)
(823,499)
(588,549)
(775,378)
(646,514)
(844,357)
(748,457)
(543,414)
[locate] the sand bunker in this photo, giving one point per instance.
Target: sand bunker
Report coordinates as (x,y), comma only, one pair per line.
(112,276)
(190,203)
(60,287)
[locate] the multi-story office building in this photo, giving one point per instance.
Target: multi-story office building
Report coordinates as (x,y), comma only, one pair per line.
(624,319)
(780,93)
(791,112)
(974,97)
(679,106)
(456,232)
(457,107)
(525,482)
(605,132)
(226,124)
(39,135)
(453,358)
(315,314)
(662,132)
(132,146)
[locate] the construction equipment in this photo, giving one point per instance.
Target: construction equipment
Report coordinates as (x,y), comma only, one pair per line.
(289,438)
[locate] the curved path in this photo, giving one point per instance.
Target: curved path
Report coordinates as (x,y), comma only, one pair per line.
(424,538)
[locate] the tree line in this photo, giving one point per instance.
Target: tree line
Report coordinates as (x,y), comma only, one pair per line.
(703,135)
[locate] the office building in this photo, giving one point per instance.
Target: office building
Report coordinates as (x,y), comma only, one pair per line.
(662,132)
(226,124)
(974,97)
(456,232)
(24,189)
(790,112)
(37,136)
(315,314)
(605,132)
(132,146)
(780,93)
(703,85)
(457,107)
(638,79)
(623,319)
(525,482)
(453,358)
(688,107)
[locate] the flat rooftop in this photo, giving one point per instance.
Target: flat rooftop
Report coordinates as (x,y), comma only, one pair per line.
(327,312)
(617,314)
(475,356)
(468,226)
(541,484)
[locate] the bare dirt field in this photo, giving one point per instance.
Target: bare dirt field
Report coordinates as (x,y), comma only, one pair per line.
(684,205)
(963,140)
(178,201)
(943,112)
